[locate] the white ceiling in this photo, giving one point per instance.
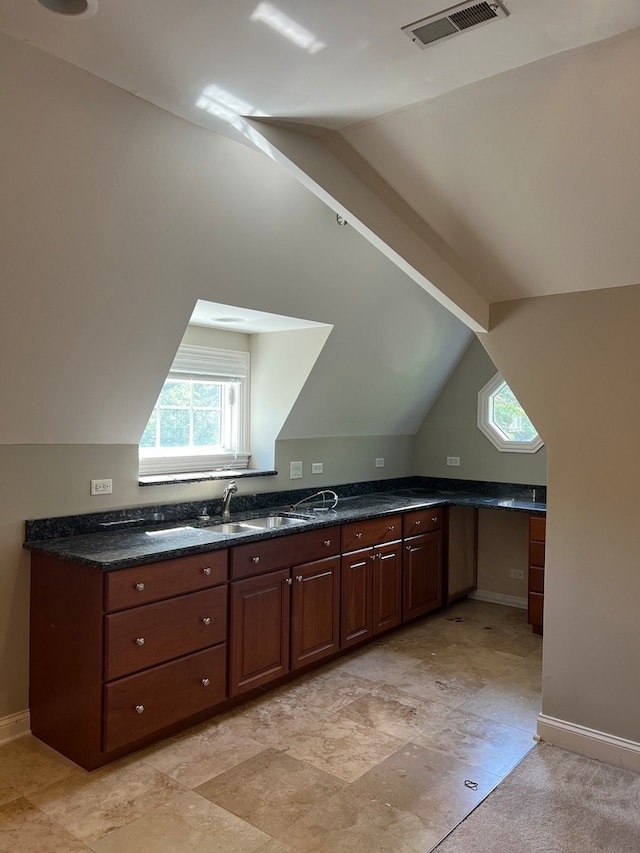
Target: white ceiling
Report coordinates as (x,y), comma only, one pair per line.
(246,321)
(367,80)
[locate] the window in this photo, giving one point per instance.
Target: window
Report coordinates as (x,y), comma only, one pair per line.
(200,421)
(503,420)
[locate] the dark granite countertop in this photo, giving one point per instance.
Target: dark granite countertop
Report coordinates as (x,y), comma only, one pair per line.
(120,542)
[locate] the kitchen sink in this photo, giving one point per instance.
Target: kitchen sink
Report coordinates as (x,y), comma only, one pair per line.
(266,522)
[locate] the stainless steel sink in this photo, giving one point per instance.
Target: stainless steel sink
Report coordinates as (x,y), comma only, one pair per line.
(266,522)
(226,527)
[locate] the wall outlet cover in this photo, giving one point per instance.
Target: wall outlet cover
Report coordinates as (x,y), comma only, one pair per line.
(317,467)
(101,487)
(380,462)
(453,460)
(295,470)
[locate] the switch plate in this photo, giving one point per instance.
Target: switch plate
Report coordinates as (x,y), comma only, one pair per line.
(380,462)
(517,574)
(295,470)
(101,487)
(453,460)
(317,467)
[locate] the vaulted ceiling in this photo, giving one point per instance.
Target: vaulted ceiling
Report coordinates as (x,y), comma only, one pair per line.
(507,154)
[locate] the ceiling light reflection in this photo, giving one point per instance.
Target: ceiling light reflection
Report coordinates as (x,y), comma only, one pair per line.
(287,27)
(223,104)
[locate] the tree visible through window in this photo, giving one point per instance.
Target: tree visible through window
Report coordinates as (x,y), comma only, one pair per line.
(200,420)
(503,420)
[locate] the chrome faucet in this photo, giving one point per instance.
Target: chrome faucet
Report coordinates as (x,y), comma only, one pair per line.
(229,490)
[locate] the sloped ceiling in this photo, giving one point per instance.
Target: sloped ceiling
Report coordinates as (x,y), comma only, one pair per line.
(513,150)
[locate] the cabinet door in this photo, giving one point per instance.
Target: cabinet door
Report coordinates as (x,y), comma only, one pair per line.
(356,623)
(422,574)
(387,587)
(315,611)
(259,630)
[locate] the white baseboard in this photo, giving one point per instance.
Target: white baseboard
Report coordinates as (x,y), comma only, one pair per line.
(14,725)
(590,742)
(499,598)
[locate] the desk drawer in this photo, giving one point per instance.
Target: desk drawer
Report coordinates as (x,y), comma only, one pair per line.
(146,636)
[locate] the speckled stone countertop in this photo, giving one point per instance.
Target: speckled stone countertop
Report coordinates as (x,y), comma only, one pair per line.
(123,538)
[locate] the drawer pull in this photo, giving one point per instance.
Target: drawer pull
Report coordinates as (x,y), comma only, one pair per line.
(140,641)
(327,542)
(418,523)
(206,620)
(299,578)
(255,559)
(139,709)
(140,587)
(288,580)
(434,519)
(206,570)
(358,535)
(205,682)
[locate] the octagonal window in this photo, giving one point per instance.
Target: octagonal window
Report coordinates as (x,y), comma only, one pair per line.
(503,420)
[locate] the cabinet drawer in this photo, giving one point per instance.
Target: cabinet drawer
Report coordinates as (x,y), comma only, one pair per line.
(148,702)
(536,554)
(155,581)
(361,534)
(537,527)
(536,609)
(423,521)
(284,551)
(536,579)
(145,636)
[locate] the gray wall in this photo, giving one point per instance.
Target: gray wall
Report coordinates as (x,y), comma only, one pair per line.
(450,429)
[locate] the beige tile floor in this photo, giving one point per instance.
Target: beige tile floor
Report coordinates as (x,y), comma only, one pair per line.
(384,750)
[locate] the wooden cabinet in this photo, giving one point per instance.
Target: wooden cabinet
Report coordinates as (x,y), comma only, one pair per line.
(422,562)
(537,537)
(287,618)
(118,657)
(371,594)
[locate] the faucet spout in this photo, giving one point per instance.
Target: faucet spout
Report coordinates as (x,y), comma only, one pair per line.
(229,490)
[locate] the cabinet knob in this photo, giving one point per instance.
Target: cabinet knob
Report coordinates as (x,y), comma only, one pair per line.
(408,547)
(205,682)
(140,587)
(206,620)
(288,580)
(299,578)
(358,535)
(206,570)
(139,709)
(140,641)
(434,519)
(417,523)
(327,542)
(255,559)
(391,527)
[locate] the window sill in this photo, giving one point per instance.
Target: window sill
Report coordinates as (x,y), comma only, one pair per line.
(201,476)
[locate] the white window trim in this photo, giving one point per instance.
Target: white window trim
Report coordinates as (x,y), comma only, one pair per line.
(495,435)
(196,362)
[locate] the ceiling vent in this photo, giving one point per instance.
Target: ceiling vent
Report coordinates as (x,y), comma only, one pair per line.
(451,22)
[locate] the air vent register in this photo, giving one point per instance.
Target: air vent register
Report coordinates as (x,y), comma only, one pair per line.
(451,22)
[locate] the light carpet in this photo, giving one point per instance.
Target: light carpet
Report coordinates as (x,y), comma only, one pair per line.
(554,801)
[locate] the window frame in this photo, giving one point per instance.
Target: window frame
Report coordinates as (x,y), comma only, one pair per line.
(491,430)
(210,363)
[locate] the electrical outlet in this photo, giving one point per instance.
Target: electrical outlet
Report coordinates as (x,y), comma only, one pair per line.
(101,487)
(453,460)
(380,462)
(317,467)
(295,470)
(517,574)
